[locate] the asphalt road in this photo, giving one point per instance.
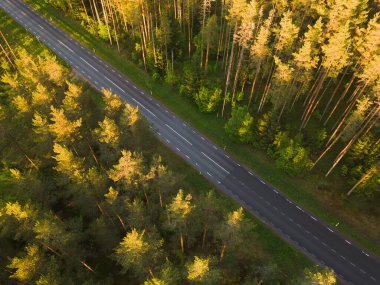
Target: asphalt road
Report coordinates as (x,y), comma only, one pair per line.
(321,243)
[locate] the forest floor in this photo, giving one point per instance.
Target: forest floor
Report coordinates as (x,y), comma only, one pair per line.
(324,198)
(289,260)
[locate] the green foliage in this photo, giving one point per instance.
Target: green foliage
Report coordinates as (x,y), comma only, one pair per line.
(137,251)
(318,276)
(200,271)
(240,125)
(290,155)
(207,100)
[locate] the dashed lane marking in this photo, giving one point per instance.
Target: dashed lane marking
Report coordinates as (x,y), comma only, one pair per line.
(209,174)
(262,182)
(122,90)
(150,112)
(299,208)
(365,253)
(178,149)
(313,218)
(347,241)
(182,137)
(90,65)
(330,230)
(187,156)
(66,46)
(215,162)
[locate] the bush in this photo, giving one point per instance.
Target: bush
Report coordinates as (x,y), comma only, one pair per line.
(208,100)
(290,155)
(240,125)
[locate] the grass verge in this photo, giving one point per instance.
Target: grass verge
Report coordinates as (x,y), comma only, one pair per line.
(332,209)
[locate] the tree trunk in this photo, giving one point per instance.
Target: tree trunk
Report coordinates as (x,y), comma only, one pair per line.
(364,177)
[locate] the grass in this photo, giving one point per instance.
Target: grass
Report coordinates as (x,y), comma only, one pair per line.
(290,261)
(330,206)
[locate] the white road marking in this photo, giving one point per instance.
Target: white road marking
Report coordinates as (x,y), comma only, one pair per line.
(209,174)
(313,218)
(196,164)
(219,182)
(240,165)
(178,149)
(365,253)
(250,173)
(42,28)
(187,156)
(202,138)
(96,82)
(119,75)
(226,156)
(347,241)
(373,278)
(215,147)
(66,46)
(89,64)
(114,84)
(214,162)
(324,244)
(113,70)
(275,191)
(330,230)
(166,111)
(183,124)
(299,208)
(333,250)
(343,257)
(178,134)
(142,92)
(150,112)
(159,133)
(134,87)
(262,182)
(353,264)
(167,141)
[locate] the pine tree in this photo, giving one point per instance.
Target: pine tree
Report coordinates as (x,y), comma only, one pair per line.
(178,214)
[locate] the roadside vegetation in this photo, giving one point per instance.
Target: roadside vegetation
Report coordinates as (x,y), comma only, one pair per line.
(302,113)
(89,195)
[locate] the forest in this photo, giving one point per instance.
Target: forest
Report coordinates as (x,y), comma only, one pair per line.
(290,87)
(86,198)
(297,79)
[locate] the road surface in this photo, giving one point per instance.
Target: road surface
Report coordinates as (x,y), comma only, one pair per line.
(321,243)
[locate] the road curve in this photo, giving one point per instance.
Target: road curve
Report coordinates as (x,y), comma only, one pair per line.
(319,242)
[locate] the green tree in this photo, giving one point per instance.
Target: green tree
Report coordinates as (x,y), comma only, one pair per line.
(318,276)
(240,125)
(63,129)
(27,267)
(207,100)
(108,132)
(138,251)
(178,214)
(203,271)
(128,170)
